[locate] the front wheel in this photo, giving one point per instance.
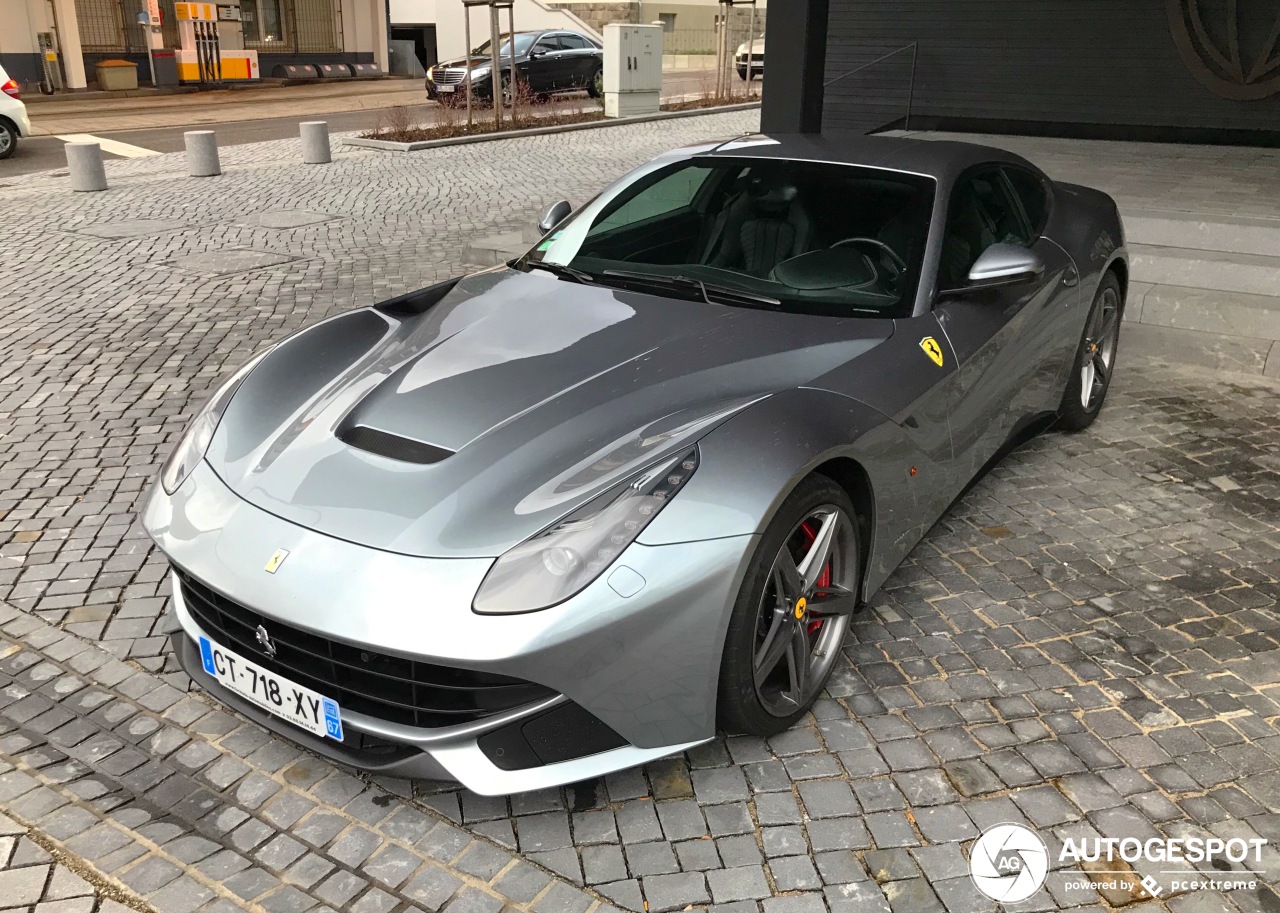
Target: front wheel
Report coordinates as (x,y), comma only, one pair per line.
(8,139)
(1095,360)
(792,614)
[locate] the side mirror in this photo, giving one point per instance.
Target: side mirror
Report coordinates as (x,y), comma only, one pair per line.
(553,215)
(1005,264)
(537,52)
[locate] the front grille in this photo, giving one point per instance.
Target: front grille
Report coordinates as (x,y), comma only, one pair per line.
(385,687)
(448,77)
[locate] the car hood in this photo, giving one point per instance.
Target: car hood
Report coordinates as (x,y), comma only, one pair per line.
(476,60)
(757,47)
(533,394)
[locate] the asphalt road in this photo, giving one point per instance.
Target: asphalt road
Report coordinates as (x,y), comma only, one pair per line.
(44,153)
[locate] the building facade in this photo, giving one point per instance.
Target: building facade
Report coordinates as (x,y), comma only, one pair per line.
(82,32)
(1172,70)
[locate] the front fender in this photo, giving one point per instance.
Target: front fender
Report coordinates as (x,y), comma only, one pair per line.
(749,466)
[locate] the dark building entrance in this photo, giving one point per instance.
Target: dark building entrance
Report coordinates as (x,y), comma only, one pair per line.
(1174,70)
(424,42)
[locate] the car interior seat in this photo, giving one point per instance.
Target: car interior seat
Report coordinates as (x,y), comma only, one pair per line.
(760,228)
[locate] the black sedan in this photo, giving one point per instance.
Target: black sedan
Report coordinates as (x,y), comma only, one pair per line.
(548,62)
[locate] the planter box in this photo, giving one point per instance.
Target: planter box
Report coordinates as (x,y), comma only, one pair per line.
(117,75)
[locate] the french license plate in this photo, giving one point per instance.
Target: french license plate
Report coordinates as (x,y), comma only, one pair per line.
(446,88)
(317,714)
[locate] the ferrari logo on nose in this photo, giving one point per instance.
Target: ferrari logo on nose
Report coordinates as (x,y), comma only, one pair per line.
(276,560)
(932,349)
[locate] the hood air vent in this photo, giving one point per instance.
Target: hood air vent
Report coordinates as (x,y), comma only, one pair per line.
(392,446)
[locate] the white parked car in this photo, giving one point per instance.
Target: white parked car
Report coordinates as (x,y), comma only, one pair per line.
(756,59)
(13,115)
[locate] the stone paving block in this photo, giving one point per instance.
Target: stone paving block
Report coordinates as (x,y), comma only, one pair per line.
(674,892)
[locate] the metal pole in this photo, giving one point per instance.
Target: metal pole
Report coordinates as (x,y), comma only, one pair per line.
(720,54)
(217,53)
(515,83)
(911,92)
(466,18)
(751,48)
(495,51)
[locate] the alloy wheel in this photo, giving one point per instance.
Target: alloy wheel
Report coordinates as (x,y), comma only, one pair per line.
(1100,349)
(805,610)
(6,140)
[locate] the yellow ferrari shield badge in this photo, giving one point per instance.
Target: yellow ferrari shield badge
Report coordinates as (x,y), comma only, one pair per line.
(276,560)
(932,349)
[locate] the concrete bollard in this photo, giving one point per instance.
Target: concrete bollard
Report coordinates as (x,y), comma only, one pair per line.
(84,163)
(202,153)
(315,142)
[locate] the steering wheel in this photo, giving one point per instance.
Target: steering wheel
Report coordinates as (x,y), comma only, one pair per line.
(894,258)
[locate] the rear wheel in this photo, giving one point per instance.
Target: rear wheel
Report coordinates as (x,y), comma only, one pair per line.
(8,139)
(792,614)
(1095,360)
(595,88)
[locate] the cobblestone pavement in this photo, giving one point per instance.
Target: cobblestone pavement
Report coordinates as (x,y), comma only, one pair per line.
(1087,643)
(31,881)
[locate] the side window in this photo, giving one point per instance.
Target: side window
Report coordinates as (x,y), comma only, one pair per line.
(574,42)
(1033,195)
(548,43)
(675,191)
(981,214)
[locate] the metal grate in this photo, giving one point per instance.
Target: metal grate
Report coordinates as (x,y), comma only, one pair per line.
(385,687)
(292,26)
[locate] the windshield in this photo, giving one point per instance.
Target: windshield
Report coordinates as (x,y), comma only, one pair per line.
(810,237)
(522,46)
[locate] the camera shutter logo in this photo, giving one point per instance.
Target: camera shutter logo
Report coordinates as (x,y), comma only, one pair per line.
(1009,863)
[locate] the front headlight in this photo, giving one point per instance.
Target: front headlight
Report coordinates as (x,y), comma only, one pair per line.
(195,440)
(561,561)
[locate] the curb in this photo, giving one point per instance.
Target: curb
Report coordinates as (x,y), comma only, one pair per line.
(390,146)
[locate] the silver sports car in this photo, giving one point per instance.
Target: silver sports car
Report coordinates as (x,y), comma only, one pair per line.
(575,513)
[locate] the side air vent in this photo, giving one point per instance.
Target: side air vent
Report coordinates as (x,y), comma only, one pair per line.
(392,446)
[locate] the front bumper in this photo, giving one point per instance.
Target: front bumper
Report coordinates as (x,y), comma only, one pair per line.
(646,666)
(19,116)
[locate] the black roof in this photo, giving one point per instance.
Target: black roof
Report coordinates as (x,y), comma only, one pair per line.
(939,159)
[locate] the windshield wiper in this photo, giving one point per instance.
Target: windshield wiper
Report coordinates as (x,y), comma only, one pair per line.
(560,271)
(711,293)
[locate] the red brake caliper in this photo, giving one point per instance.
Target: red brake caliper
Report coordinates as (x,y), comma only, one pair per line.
(824,579)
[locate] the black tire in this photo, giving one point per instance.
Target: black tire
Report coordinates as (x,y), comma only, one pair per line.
(762,614)
(742,73)
(1095,359)
(595,88)
(8,139)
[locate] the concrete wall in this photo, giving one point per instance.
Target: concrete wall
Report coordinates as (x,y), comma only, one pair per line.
(447,15)
(20,20)
(599,14)
(364,30)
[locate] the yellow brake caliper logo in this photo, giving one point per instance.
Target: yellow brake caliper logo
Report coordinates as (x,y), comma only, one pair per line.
(932,349)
